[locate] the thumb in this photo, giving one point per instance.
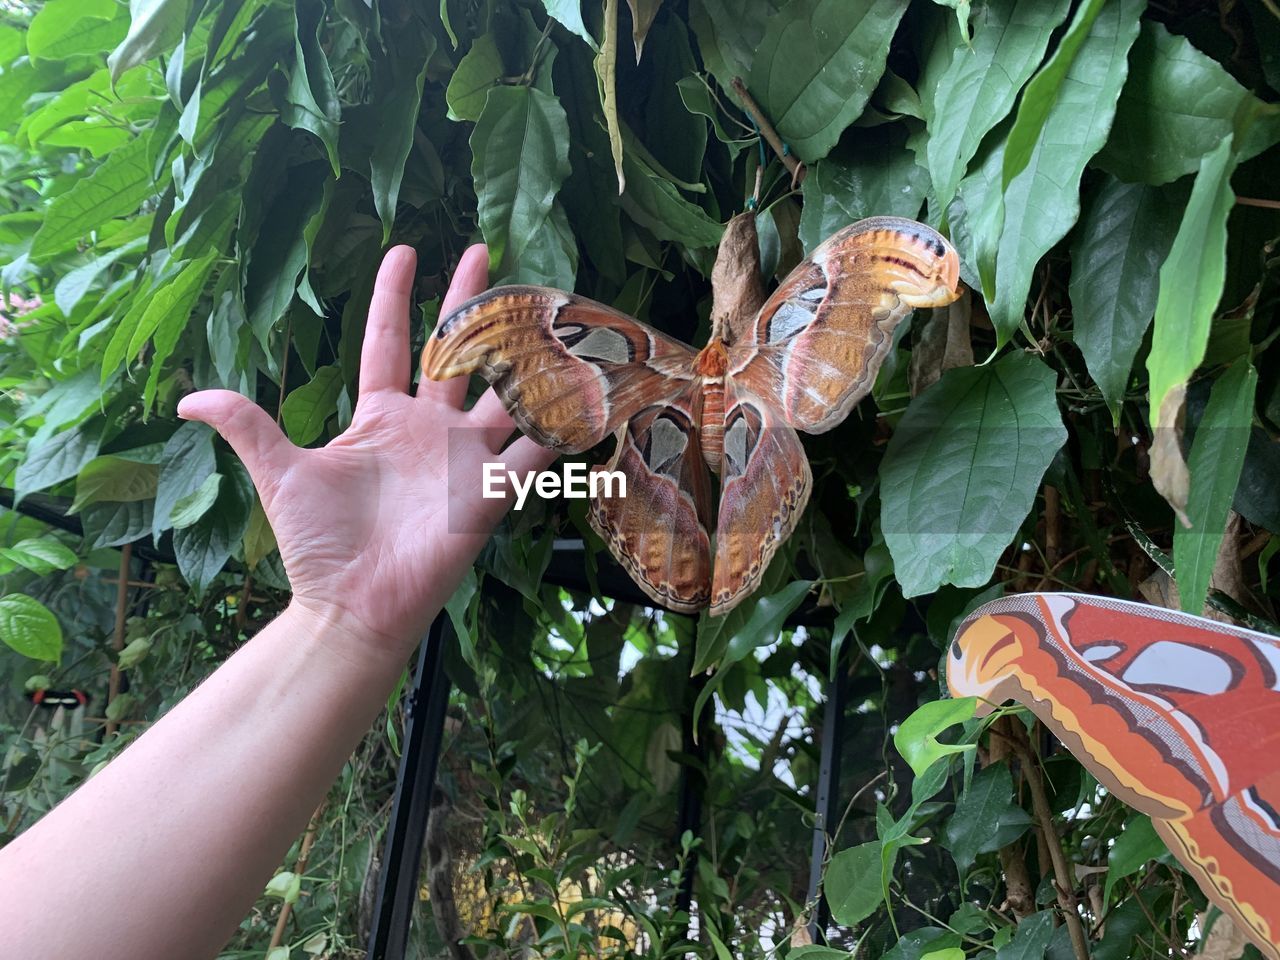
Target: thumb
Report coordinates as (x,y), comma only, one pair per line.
(253,435)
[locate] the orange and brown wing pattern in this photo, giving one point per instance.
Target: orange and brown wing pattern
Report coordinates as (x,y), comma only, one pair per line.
(658,531)
(764,486)
(817,343)
(570,371)
(1177,715)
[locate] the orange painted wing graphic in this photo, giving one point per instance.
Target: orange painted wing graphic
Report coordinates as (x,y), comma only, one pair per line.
(1177,715)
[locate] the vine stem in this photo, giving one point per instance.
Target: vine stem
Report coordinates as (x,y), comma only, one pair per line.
(794,166)
(117,640)
(1257,202)
(299,867)
(1061,869)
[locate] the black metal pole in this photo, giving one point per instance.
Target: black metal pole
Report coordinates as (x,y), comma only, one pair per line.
(827,799)
(689,804)
(402,859)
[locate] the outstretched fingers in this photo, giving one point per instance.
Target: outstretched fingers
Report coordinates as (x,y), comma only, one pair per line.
(384,356)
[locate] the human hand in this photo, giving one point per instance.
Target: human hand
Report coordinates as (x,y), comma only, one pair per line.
(363,523)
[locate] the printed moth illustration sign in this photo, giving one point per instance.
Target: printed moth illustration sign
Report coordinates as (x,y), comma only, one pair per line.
(571,372)
(1176,715)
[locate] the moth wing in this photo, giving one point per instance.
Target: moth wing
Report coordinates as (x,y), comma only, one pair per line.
(570,371)
(816,345)
(764,485)
(658,531)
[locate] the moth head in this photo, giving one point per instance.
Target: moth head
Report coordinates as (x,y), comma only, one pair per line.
(985,651)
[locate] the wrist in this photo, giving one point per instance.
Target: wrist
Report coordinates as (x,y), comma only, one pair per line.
(348,636)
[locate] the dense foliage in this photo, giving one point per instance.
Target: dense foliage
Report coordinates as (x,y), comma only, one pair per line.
(197,194)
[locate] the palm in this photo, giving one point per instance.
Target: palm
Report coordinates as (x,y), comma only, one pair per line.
(370,524)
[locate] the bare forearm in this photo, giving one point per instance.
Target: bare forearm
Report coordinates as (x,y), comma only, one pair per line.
(175,838)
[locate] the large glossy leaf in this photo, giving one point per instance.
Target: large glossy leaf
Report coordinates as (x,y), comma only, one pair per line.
(878,177)
(817,65)
(188,458)
(399,98)
(729,34)
(58,458)
(654,203)
(569,14)
(1124,235)
(155,27)
(66,29)
(1217,454)
(852,883)
(985,818)
(1137,844)
(1191,281)
(30,628)
(1178,105)
(978,86)
(114,478)
(1032,938)
(112,524)
(310,97)
(519,152)
(917,736)
(478,70)
(204,547)
(962,471)
(1042,202)
(308,408)
(115,189)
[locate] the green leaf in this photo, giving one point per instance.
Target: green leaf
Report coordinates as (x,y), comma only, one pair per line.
(155,27)
(114,478)
(1217,455)
(877,178)
(651,201)
(815,951)
(134,653)
(174,304)
(30,628)
(817,66)
(568,13)
(59,458)
(64,29)
(985,818)
(204,547)
(1032,939)
(764,625)
(259,538)
(1136,844)
(1191,282)
(41,555)
(1124,235)
(1178,105)
(917,736)
(729,33)
(963,468)
(1042,92)
(188,458)
(399,98)
(978,86)
(478,71)
(852,883)
(311,99)
(111,524)
(193,506)
(118,187)
(308,408)
(74,284)
(1042,202)
(520,156)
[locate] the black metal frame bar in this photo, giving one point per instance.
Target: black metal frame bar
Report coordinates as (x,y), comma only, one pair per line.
(402,852)
(827,798)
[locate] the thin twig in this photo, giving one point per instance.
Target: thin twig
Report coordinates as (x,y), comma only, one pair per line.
(117,640)
(1256,202)
(299,868)
(1061,870)
(794,166)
